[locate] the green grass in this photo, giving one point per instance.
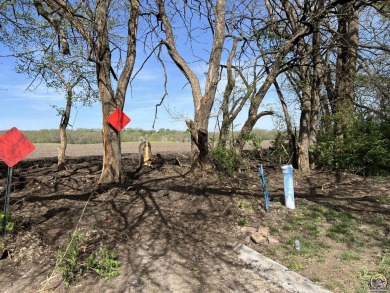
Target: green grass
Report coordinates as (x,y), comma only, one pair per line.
(248,206)
(384,265)
(349,255)
(383,199)
(319,228)
(72,262)
(242,222)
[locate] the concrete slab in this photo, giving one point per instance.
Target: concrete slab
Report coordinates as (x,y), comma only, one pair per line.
(276,273)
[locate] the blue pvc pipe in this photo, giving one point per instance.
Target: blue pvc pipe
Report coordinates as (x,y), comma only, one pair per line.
(288,186)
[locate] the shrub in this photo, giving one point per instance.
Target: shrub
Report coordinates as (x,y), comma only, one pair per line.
(73,262)
(279,152)
(364,150)
(10,223)
(225,159)
(103,263)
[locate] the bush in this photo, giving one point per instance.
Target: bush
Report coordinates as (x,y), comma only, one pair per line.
(225,159)
(364,150)
(103,263)
(279,151)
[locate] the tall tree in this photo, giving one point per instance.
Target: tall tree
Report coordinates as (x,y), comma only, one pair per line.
(37,56)
(347,44)
(94,22)
(212,17)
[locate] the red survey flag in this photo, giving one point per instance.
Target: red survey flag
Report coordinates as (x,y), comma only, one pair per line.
(118,119)
(14,146)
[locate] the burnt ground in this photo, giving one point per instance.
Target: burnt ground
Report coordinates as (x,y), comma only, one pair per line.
(173,231)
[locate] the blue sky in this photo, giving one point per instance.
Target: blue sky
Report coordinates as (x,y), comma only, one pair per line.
(32,110)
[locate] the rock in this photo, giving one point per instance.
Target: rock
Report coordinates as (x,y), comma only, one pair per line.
(258,238)
(263,231)
(272,240)
(248,230)
(162,193)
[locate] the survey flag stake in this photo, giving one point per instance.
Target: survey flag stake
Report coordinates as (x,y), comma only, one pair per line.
(14,146)
(264,188)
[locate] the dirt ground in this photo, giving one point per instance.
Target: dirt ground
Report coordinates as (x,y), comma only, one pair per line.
(173,231)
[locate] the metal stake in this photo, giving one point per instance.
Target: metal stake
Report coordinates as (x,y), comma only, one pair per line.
(264,188)
(6,198)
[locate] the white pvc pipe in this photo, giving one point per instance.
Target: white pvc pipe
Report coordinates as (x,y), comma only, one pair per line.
(288,186)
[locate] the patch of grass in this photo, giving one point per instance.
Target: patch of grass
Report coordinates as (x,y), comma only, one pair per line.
(144,274)
(318,227)
(363,289)
(295,266)
(331,287)
(310,249)
(312,229)
(383,199)
(344,230)
(248,206)
(273,230)
(315,279)
(68,260)
(103,263)
(381,179)
(380,220)
(384,265)
(73,261)
(10,223)
(365,274)
(242,222)
(349,255)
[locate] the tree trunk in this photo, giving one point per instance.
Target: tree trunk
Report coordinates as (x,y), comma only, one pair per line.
(315,90)
(304,129)
(202,103)
(224,132)
(348,28)
(63,137)
(290,131)
(228,115)
(95,32)
(112,169)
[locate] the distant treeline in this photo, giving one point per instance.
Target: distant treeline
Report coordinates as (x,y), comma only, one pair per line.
(86,136)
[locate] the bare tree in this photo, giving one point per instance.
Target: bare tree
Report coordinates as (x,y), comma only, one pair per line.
(93,22)
(211,16)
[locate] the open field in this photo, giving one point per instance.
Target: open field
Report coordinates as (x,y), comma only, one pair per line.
(79,150)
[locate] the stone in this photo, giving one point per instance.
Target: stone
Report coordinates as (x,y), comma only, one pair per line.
(272,240)
(162,193)
(258,238)
(248,230)
(263,231)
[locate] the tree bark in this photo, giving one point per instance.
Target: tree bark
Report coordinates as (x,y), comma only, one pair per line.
(63,136)
(348,29)
(112,169)
(315,89)
(304,128)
